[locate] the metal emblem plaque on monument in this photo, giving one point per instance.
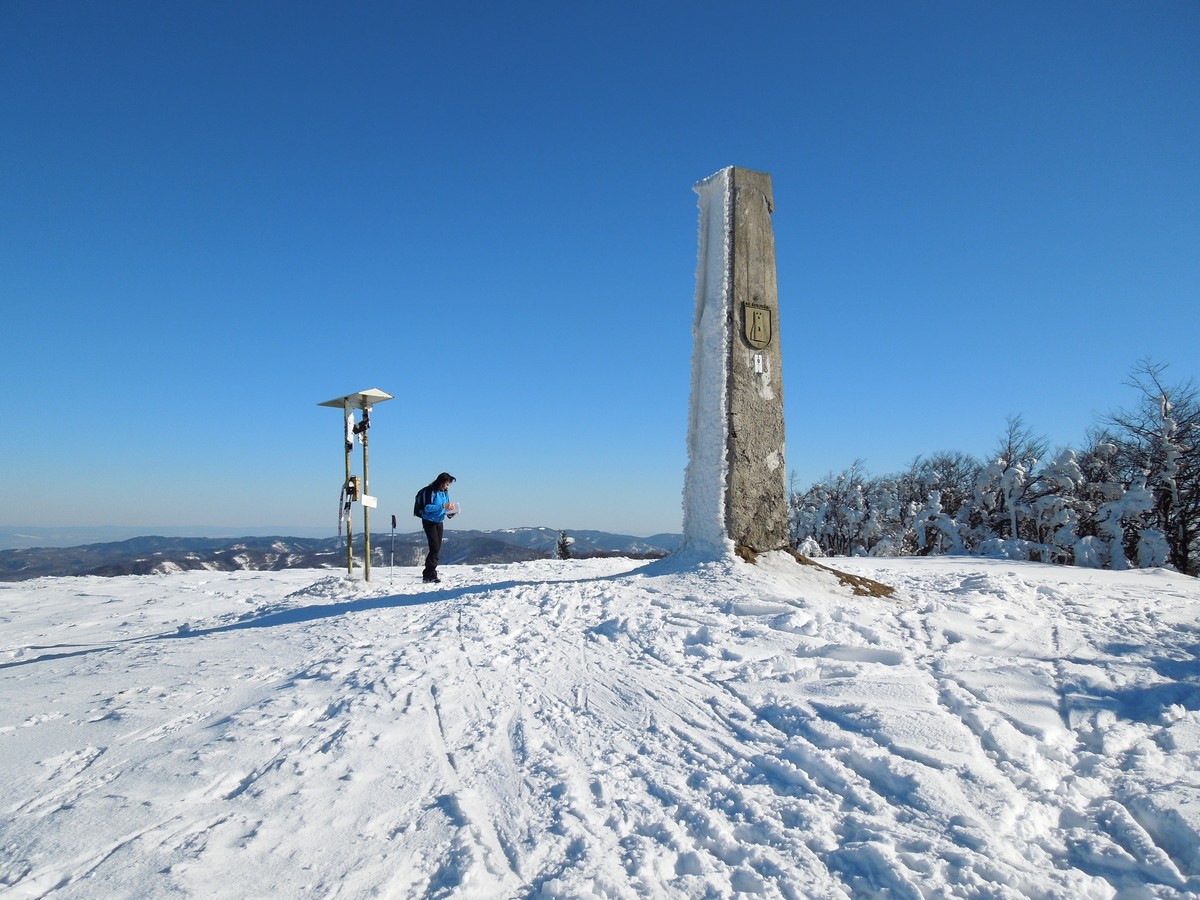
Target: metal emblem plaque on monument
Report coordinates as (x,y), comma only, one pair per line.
(756,325)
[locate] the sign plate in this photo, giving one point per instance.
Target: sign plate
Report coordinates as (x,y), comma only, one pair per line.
(757,325)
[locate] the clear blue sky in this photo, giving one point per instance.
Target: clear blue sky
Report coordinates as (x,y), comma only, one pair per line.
(217,215)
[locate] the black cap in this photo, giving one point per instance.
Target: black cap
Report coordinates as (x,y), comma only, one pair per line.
(446,476)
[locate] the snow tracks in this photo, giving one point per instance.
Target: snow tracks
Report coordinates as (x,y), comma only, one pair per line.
(610,729)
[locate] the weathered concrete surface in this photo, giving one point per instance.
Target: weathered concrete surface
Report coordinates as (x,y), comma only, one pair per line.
(756,495)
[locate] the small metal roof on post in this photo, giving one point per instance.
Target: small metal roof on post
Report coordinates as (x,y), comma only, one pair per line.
(351,489)
(360,400)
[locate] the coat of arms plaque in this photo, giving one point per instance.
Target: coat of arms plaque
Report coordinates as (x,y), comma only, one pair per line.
(756,325)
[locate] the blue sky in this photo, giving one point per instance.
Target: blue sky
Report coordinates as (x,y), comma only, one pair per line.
(217,215)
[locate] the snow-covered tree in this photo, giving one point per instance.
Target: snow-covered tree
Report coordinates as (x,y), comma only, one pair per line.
(1117,516)
(834,513)
(1002,488)
(937,532)
(1131,494)
(1054,499)
(952,474)
(1161,437)
(810,548)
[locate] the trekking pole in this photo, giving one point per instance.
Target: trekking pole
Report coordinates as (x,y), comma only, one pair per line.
(392,565)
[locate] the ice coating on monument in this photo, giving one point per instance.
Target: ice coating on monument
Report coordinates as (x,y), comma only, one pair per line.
(706,479)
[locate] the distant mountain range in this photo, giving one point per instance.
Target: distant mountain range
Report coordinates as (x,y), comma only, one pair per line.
(155,555)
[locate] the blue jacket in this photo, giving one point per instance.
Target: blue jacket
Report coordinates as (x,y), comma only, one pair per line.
(435,509)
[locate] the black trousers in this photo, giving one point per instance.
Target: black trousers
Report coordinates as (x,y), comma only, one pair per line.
(433,534)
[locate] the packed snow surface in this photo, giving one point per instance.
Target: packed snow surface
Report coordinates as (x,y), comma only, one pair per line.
(603,728)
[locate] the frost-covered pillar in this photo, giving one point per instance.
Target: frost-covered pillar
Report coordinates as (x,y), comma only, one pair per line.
(735,491)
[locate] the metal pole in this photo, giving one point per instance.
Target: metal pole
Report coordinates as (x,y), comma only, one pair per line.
(366,493)
(346,432)
(392,567)
(363,400)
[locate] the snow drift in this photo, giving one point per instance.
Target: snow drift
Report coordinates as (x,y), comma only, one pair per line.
(603,728)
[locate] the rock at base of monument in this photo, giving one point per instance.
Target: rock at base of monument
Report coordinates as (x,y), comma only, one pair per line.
(860,586)
(750,555)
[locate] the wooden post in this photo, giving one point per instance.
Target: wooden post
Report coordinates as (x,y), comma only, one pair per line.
(365,494)
(346,436)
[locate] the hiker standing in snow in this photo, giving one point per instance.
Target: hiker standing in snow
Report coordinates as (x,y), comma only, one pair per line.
(434,503)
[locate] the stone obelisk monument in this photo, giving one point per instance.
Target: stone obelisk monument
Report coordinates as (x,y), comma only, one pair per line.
(735,491)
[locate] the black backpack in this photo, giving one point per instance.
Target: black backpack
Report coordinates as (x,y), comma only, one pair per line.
(423,498)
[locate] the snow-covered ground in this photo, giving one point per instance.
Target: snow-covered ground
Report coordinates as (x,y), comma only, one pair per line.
(603,729)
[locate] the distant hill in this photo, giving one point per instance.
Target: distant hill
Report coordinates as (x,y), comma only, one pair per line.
(155,554)
(587,543)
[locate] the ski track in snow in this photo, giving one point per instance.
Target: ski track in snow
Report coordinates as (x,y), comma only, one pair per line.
(603,729)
